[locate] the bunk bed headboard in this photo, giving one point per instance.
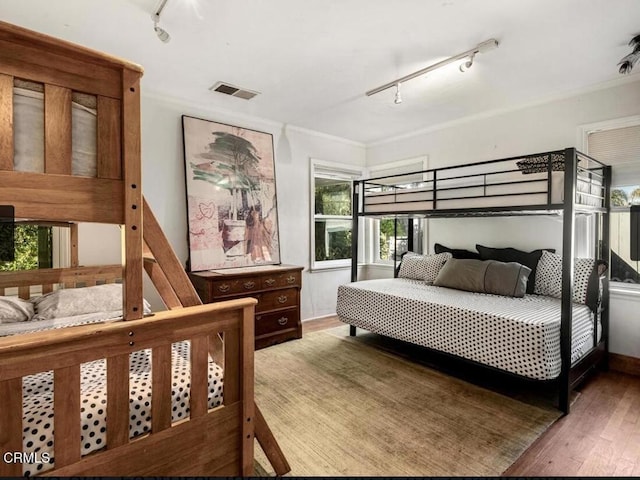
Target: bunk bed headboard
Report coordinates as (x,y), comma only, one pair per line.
(54,193)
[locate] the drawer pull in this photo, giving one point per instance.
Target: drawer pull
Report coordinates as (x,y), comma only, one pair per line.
(270,282)
(224,287)
(249,285)
(291,279)
(283,320)
(282,299)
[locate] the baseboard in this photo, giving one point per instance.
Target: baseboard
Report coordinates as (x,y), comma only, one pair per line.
(624,364)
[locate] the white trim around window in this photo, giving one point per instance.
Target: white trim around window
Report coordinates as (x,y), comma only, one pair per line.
(321,169)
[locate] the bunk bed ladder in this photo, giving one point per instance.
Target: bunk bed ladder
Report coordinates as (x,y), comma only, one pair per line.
(175,289)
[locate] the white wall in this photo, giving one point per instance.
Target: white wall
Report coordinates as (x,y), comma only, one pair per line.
(164,187)
(544,127)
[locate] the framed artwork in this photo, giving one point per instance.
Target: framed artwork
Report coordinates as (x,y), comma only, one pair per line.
(231,196)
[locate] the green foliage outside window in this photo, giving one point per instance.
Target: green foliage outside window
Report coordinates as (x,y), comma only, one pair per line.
(332,235)
(32,248)
(387,233)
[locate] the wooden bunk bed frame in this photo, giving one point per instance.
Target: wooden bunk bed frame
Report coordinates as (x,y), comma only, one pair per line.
(212,442)
(597,176)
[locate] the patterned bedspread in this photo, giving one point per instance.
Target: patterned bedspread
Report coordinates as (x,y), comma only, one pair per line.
(37,403)
(519,335)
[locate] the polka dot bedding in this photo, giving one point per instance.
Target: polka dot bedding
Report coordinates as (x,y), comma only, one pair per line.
(519,335)
(38,402)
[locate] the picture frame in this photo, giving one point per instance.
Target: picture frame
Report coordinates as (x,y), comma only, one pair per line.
(231,196)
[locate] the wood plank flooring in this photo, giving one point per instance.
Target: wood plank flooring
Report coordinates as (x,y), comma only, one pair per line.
(601,436)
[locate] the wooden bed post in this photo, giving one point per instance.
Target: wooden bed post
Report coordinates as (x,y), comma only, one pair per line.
(132,173)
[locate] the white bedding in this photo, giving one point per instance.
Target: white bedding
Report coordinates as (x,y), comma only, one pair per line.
(518,335)
(38,394)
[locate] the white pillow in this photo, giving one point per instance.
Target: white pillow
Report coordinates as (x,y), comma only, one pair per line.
(549,276)
(422,267)
(14,309)
(79,301)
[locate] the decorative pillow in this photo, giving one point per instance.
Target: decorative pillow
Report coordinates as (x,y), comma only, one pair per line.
(549,277)
(14,309)
(422,267)
(79,301)
(456,252)
(528,259)
(484,276)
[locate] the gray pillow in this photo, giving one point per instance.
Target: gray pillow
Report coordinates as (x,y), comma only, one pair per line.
(79,301)
(14,309)
(484,276)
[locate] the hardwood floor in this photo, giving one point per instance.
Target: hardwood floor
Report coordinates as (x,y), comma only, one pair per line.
(601,436)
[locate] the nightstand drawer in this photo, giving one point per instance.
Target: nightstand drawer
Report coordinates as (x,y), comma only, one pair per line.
(287,279)
(275,321)
(230,287)
(287,297)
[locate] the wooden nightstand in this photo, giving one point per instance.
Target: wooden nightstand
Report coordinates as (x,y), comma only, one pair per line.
(276,287)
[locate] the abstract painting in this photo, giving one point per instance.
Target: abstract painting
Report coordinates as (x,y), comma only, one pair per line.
(231,196)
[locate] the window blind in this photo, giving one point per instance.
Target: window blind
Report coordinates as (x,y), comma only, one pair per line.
(620,148)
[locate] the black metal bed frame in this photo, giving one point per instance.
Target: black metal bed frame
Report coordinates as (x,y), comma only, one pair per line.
(596,174)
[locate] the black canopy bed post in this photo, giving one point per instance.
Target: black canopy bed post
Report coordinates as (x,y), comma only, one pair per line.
(568,241)
(605,254)
(355,209)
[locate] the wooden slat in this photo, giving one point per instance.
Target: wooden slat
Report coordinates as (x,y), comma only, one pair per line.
(199,376)
(162,284)
(192,448)
(62,197)
(11,424)
(47,44)
(161,388)
(117,400)
(57,130)
(247,340)
(47,67)
(269,445)
(109,138)
(47,288)
(231,392)
(73,240)
(24,292)
(132,172)
(66,406)
(167,259)
(6,122)
(58,275)
(25,354)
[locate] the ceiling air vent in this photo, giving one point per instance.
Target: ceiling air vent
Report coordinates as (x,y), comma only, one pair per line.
(229,89)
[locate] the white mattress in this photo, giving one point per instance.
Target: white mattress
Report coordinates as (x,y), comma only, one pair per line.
(518,335)
(37,392)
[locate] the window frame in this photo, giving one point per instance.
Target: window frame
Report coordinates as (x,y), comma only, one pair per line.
(337,171)
(372,238)
(583,140)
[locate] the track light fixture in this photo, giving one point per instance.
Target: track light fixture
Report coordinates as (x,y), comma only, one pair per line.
(467,65)
(163,35)
(480,48)
(398,99)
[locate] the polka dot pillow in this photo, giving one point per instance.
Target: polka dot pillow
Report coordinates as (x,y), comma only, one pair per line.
(549,276)
(422,267)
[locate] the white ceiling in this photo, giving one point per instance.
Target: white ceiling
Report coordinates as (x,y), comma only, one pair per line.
(313,60)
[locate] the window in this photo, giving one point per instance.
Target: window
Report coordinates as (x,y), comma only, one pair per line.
(618,144)
(331,189)
(390,236)
(33,248)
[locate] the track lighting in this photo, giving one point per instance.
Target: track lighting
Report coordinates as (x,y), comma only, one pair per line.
(470,54)
(467,65)
(163,35)
(398,99)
